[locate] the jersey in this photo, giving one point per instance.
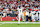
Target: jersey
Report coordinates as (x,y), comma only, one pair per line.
(20,10)
(33,12)
(36,14)
(39,14)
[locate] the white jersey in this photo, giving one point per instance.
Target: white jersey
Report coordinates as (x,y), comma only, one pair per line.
(20,10)
(39,13)
(36,14)
(27,13)
(33,12)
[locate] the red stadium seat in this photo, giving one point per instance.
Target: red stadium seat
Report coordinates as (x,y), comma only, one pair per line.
(9,18)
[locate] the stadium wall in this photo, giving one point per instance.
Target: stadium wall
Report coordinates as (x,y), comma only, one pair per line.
(9,18)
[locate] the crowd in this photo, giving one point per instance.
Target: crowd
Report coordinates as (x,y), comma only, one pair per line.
(30,7)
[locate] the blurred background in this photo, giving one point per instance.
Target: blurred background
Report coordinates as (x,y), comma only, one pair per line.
(9,12)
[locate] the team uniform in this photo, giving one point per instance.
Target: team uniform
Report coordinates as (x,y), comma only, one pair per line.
(39,16)
(33,16)
(20,14)
(36,16)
